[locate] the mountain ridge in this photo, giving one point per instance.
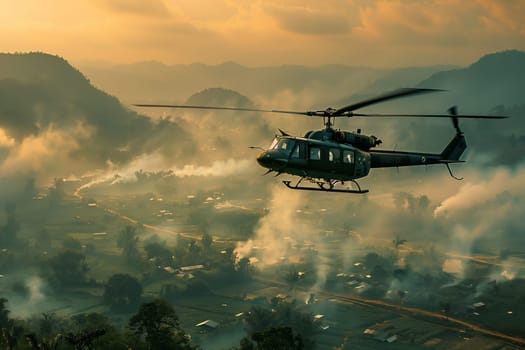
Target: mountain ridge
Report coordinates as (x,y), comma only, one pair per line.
(46,102)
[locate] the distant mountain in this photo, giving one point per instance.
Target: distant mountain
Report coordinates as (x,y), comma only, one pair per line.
(403,77)
(44,100)
(495,79)
(494,84)
(221,130)
(219,97)
(155,82)
(316,86)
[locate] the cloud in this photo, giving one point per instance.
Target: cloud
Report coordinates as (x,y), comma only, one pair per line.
(5,139)
(309,22)
(49,152)
(379,33)
(503,17)
(156,8)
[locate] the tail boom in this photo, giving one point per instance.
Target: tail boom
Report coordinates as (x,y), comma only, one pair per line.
(451,154)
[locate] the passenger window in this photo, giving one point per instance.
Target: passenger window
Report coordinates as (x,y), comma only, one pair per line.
(348,157)
(295,153)
(333,155)
(315,153)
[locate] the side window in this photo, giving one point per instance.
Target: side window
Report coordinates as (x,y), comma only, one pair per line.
(296,153)
(334,155)
(315,153)
(348,157)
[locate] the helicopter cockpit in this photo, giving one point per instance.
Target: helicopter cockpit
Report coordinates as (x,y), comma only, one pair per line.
(283,145)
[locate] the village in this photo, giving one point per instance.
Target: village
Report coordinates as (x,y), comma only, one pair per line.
(104,253)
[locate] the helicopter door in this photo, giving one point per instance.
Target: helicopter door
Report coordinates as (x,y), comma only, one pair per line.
(362,164)
(349,162)
(298,157)
(314,158)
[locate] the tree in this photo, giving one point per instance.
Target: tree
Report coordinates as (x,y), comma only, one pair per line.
(445,308)
(194,252)
(159,324)
(206,242)
(281,338)
(122,291)
(83,340)
(244,268)
(69,268)
(4,313)
(292,276)
(44,344)
(398,242)
(9,231)
(158,251)
(423,202)
(56,192)
(128,241)
(372,260)
(89,327)
(401,294)
(43,240)
(72,244)
(260,320)
(10,330)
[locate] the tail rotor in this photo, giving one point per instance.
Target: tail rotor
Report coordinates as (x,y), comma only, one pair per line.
(453,115)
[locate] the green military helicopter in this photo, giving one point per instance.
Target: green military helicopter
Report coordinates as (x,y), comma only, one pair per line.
(330,157)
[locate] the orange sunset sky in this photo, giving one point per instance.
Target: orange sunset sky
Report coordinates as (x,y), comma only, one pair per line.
(264,32)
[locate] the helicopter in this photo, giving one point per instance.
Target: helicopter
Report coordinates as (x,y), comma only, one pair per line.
(330,157)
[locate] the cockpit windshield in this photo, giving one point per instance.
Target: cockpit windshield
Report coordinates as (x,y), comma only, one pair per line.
(282,144)
(286,146)
(274,143)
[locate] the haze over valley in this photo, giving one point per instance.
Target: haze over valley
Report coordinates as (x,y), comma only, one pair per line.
(109,209)
(123,227)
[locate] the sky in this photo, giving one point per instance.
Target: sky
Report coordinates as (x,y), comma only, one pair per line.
(378,33)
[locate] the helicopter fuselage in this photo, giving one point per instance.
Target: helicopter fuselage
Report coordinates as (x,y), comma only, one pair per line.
(330,160)
(328,157)
(317,159)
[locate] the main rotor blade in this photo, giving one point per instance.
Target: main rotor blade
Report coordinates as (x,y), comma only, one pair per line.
(465,116)
(221,108)
(388,96)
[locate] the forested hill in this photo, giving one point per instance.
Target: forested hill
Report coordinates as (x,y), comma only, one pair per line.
(43,95)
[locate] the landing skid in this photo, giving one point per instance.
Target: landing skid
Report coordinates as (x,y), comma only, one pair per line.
(324,187)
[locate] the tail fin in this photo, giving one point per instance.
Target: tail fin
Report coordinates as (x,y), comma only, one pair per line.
(454,149)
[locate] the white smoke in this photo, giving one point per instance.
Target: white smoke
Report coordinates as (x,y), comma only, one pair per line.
(47,153)
(482,190)
(33,302)
(278,230)
(35,286)
(156,163)
(221,168)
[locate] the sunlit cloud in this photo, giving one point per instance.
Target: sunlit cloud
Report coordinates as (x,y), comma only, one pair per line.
(379,33)
(5,139)
(135,7)
(309,22)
